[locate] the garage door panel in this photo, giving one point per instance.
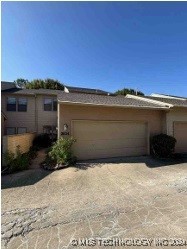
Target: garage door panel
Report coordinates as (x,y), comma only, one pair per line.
(99,139)
(112,144)
(180,133)
(109,129)
(88,154)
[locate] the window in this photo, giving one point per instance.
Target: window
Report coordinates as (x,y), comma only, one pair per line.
(50,104)
(47,104)
(22,105)
(51,131)
(11,104)
(22,130)
(11,130)
(47,129)
(54,104)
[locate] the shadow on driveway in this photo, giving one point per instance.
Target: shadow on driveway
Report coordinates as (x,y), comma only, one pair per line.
(24,178)
(147,160)
(32,176)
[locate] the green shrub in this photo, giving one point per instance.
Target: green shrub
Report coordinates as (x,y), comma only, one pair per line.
(61,151)
(18,161)
(32,152)
(162,145)
(8,158)
(42,141)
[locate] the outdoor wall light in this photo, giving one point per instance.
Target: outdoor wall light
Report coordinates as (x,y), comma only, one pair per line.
(65,127)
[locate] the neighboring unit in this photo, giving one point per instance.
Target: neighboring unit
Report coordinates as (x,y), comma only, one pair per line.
(175,119)
(29,110)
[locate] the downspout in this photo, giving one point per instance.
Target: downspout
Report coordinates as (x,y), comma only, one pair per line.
(36,115)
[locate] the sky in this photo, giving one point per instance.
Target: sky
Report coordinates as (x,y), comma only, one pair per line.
(104,45)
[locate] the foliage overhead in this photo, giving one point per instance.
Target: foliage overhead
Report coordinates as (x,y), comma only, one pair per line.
(126,91)
(40,83)
(45,84)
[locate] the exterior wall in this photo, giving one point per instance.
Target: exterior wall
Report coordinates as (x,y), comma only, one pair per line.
(45,117)
(20,119)
(2,125)
(35,117)
(175,115)
(67,113)
(11,142)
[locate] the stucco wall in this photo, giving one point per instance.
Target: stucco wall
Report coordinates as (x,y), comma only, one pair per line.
(175,115)
(10,142)
(67,113)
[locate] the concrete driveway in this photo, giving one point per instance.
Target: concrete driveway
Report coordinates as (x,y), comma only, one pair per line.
(117,199)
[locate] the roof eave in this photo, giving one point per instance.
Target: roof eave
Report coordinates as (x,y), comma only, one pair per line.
(157,102)
(166,96)
(29,94)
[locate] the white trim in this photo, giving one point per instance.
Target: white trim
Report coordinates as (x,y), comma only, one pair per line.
(166,105)
(165,96)
(121,106)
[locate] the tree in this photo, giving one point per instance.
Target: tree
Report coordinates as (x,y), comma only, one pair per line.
(45,84)
(126,91)
(21,83)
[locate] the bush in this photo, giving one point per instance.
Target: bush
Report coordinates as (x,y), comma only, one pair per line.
(16,162)
(162,145)
(42,141)
(8,157)
(32,152)
(61,152)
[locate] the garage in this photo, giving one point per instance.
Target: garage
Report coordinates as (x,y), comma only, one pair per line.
(102,139)
(180,133)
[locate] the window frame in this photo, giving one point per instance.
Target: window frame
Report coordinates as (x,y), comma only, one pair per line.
(11,128)
(19,104)
(21,128)
(10,104)
(52,104)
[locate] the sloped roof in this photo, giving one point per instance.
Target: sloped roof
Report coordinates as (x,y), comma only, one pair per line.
(94,99)
(166,96)
(172,101)
(73,89)
(6,85)
(19,91)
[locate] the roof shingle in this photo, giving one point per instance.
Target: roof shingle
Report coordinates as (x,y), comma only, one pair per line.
(73,89)
(19,91)
(93,99)
(174,102)
(5,85)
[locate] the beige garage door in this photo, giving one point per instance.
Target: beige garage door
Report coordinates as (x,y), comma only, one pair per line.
(102,139)
(180,133)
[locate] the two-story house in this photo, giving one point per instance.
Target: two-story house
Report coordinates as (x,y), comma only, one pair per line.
(32,110)
(104,125)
